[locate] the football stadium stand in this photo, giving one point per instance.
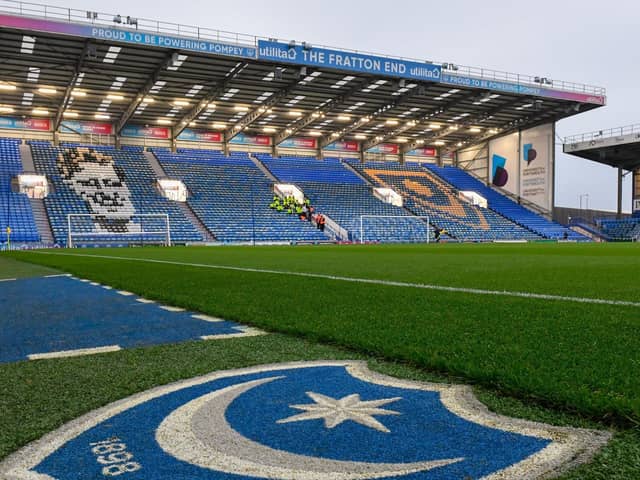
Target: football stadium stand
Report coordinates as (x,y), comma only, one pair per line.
(426,194)
(78,195)
(503,205)
(15,209)
(231,196)
(624,229)
(343,196)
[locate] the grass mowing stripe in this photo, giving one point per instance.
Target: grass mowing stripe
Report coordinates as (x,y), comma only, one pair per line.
(579,357)
(474,291)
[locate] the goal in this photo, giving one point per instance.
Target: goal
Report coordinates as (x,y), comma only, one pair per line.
(395,229)
(85,229)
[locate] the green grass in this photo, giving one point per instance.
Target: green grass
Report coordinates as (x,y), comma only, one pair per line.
(9,268)
(555,361)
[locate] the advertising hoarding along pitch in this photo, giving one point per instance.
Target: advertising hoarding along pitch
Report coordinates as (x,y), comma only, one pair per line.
(347,61)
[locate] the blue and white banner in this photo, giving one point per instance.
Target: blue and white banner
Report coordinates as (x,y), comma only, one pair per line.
(138,37)
(348,61)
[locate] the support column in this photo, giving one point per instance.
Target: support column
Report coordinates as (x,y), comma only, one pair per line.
(620,179)
(636,190)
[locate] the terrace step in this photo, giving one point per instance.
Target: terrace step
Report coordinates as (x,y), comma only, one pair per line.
(42,220)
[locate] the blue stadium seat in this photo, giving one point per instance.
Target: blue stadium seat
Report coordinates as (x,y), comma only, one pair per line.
(620,229)
(339,193)
(15,209)
(138,176)
(504,205)
(231,196)
(427,195)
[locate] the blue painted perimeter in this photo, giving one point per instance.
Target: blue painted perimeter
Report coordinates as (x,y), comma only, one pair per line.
(43,315)
(423,430)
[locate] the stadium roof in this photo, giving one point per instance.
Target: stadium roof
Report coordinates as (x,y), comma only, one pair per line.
(86,65)
(617,147)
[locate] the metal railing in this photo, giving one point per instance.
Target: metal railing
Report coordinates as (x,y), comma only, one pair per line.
(600,134)
(90,17)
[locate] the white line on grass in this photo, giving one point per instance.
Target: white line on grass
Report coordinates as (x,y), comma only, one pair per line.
(172,309)
(8,279)
(56,276)
(74,353)
(371,281)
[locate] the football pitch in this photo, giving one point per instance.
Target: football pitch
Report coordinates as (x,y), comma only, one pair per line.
(547,332)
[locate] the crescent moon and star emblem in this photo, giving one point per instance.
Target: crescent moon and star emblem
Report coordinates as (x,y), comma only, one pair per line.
(301,421)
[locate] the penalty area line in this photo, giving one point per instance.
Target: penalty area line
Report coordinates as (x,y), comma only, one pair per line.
(369,281)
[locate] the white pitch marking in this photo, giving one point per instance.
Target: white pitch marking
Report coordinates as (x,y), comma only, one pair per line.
(244,332)
(207,318)
(107,287)
(144,300)
(370,281)
(84,280)
(95,284)
(8,279)
(172,309)
(126,294)
(59,275)
(74,353)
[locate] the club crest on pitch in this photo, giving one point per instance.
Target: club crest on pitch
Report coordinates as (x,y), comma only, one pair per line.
(301,421)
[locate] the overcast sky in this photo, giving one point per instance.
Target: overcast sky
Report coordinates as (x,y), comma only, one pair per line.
(588,41)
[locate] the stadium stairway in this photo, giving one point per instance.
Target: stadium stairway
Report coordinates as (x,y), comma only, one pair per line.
(188,212)
(231,196)
(340,194)
(42,220)
(262,168)
(461,180)
(427,195)
(26,158)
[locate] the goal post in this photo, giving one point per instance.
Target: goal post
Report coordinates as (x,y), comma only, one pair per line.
(86,229)
(409,228)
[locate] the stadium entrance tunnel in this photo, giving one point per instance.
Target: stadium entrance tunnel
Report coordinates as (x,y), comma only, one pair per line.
(32,185)
(388,195)
(173,189)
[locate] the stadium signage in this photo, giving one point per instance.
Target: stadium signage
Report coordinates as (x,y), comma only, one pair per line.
(311,421)
(423,152)
(128,36)
(347,61)
(190,135)
(519,89)
(39,124)
(245,139)
(88,128)
(300,142)
(386,148)
(138,131)
(343,146)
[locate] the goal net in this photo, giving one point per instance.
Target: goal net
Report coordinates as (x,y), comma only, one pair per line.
(100,230)
(395,229)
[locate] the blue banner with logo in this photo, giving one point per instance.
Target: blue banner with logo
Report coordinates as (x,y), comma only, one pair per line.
(348,61)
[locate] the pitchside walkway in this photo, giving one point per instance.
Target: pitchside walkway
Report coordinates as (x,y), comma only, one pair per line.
(61,316)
